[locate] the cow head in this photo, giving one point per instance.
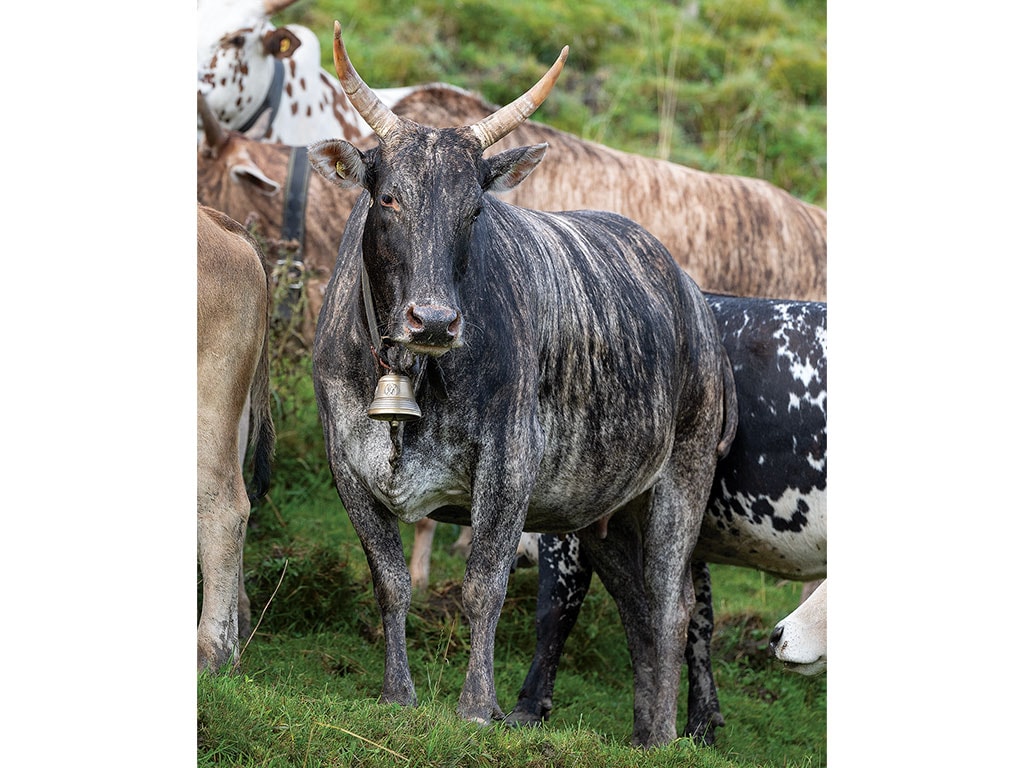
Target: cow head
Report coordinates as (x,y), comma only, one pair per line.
(237,50)
(427,194)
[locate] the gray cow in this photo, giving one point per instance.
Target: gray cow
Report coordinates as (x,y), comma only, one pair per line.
(567,372)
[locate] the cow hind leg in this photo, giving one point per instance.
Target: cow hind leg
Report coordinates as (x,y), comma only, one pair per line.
(223,512)
(618,560)
(703,710)
(244,606)
(563,579)
(419,560)
(669,532)
(464,543)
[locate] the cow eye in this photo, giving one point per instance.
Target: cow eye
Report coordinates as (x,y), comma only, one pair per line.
(238,41)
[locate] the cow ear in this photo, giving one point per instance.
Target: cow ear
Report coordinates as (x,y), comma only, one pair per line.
(507,169)
(280,43)
(338,162)
(250,174)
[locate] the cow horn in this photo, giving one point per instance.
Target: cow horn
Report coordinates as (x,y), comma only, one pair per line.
(215,135)
(382,120)
(495,127)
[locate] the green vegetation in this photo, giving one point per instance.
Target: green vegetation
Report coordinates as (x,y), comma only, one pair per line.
(727,86)
(737,87)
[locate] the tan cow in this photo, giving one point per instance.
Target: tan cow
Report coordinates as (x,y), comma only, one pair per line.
(232,352)
(732,234)
(254,183)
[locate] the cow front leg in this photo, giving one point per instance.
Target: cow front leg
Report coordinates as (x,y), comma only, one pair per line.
(483,593)
(382,542)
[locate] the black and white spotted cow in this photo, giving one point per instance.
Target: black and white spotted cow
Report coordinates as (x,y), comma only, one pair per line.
(767,506)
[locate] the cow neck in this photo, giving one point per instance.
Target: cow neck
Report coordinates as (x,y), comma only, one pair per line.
(271,101)
(371,318)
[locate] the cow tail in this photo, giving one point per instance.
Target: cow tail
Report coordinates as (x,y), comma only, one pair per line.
(730,408)
(263,436)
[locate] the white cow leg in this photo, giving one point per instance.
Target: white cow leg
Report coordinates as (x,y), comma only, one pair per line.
(419,561)
(464,543)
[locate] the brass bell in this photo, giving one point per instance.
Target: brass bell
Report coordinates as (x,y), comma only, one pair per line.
(393,399)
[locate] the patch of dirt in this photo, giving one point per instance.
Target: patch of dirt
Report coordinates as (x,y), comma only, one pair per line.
(442,603)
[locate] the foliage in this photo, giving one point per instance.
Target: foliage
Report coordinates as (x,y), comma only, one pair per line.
(718,85)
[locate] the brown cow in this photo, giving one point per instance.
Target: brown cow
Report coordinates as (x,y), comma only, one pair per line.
(250,181)
(233,316)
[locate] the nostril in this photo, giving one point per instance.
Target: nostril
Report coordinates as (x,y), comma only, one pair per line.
(412,319)
(775,637)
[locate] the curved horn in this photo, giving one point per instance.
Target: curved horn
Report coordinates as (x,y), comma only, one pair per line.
(215,135)
(273,6)
(382,120)
(495,127)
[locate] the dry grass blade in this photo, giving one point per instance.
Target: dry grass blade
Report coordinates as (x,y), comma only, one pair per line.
(252,634)
(363,738)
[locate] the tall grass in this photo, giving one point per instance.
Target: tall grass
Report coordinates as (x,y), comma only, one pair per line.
(727,86)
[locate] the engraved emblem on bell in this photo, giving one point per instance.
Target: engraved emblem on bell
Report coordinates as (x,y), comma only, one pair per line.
(393,399)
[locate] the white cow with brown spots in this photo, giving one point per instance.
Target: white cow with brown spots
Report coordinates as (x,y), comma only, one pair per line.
(267,81)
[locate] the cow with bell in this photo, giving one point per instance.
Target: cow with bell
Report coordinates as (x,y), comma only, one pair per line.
(553,371)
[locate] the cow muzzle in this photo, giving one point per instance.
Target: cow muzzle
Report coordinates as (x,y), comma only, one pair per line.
(430,329)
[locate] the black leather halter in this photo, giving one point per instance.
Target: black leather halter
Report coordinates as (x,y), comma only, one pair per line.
(271,101)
